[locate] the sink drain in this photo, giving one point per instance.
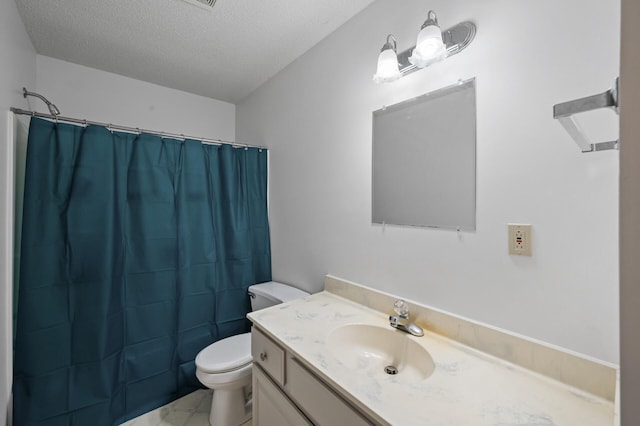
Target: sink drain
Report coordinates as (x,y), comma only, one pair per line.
(390,369)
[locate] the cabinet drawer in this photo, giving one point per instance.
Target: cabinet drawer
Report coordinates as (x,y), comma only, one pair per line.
(320,403)
(268,355)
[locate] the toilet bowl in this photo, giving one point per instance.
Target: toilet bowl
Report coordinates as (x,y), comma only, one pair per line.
(225,366)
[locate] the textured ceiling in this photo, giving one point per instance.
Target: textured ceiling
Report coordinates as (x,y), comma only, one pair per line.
(224,53)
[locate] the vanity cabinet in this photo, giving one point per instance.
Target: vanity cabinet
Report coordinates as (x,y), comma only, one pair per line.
(285,392)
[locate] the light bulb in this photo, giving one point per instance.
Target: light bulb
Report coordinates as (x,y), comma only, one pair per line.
(388,70)
(429,46)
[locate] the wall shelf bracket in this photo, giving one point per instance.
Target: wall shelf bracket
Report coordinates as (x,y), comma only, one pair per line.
(565,111)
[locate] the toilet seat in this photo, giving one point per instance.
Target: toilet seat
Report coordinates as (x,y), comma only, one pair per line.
(225,355)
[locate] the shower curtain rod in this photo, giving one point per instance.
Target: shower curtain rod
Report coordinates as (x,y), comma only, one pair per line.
(132,129)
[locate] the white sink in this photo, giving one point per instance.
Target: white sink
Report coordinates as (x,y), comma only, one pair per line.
(371,349)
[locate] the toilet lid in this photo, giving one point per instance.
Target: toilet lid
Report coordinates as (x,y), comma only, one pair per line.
(226,354)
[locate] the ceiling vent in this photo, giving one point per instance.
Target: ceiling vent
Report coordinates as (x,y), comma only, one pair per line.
(205,4)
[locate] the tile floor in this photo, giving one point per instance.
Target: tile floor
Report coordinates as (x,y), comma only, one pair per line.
(190,410)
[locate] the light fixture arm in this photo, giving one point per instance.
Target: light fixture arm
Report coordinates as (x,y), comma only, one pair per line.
(432,19)
(388,45)
(52,108)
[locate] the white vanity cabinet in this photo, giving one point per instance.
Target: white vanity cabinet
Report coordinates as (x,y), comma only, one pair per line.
(285,392)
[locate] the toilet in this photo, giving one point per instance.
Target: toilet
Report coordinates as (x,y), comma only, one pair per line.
(225,366)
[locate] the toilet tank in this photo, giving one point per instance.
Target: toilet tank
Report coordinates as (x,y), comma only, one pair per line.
(272,293)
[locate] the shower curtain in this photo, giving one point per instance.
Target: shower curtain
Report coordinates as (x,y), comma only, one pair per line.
(137,252)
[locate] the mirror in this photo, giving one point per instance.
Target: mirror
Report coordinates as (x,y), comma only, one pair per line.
(424,160)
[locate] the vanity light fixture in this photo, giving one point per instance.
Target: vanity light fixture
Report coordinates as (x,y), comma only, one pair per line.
(432,46)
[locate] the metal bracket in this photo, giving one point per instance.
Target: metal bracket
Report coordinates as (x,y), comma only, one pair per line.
(563,112)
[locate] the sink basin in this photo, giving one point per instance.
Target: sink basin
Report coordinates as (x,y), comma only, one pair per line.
(371,349)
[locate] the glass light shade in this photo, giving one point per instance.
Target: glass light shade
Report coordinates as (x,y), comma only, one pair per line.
(388,70)
(429,47)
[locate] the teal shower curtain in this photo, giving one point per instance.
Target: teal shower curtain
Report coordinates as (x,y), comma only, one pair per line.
(137,252)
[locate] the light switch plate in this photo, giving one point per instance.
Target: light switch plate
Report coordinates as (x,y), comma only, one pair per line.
(520,239)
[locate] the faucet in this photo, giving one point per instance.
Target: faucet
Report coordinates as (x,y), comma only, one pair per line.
(401,319)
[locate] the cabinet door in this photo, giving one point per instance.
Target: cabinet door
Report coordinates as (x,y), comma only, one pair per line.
(319,402)
(270,406)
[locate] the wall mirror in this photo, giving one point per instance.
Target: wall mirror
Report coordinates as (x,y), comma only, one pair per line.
(424,160)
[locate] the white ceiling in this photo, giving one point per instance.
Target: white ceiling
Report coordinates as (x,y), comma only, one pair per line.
(222,53)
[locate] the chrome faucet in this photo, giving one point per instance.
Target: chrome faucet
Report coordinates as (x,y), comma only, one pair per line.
(401,319)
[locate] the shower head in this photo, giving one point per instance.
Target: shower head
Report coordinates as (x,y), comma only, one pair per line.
(52,108)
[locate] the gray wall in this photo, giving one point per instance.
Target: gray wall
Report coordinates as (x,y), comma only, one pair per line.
(528,55)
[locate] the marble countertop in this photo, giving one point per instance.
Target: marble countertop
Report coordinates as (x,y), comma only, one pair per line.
(467,387)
